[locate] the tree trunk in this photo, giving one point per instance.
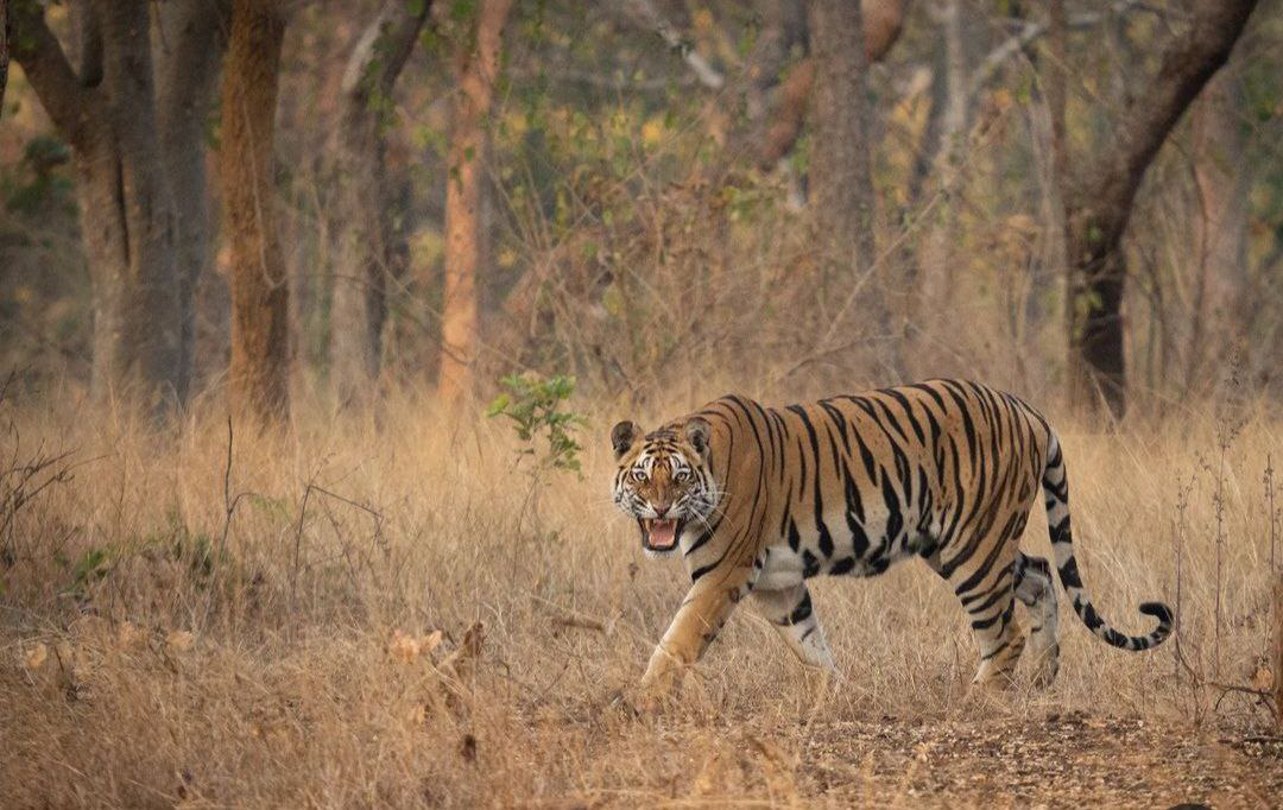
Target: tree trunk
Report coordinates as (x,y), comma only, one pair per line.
(1220,226)
(951,111)
(881,21)
(187,64)
(259,375)
(130,192)
(108,114)
(476,66)
(841,176)
(4,51)
(1099,203)
(369,249)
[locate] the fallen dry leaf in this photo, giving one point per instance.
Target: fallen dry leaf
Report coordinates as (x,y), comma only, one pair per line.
(404,647)
(1263,679)
(37,656)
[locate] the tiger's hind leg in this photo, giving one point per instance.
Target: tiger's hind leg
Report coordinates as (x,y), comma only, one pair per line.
(982,580)
(791,612)
(1036,590)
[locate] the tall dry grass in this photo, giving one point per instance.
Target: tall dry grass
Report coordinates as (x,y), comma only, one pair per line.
(177,630)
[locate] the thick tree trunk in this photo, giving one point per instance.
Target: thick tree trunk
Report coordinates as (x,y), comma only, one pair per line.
(369,251)
(108,115)
(1099,199)
(841,177)
(126,148)
(261,350)
(476,66)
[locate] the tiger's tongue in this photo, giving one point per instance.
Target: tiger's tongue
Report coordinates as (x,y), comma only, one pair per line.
(663,533)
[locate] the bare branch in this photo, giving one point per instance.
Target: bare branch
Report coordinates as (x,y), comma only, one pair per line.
(51,75)
(644,13)
(1030,33)
(383,48)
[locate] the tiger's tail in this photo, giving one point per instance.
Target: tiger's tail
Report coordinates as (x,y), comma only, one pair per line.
(1055,487)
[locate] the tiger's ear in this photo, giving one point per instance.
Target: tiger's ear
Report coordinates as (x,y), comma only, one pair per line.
(697,432)
(622,437)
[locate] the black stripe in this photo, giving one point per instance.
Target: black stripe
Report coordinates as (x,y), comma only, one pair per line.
(895,519)
(889,417)
(909,415)
(803,610)
(842,566)
(835,416)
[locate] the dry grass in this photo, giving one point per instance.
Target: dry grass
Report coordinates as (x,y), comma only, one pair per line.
(166,639)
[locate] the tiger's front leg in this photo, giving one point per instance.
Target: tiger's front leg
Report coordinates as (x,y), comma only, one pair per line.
(700,618)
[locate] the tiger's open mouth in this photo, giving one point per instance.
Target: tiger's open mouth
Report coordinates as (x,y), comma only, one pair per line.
(660,535)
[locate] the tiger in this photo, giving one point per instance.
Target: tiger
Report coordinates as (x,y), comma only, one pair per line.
(757,500)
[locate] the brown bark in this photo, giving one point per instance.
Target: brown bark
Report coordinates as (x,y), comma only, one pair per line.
(951,111)
(840,167)
(369,250)
(841,174)
(1099,203)
(476,66)
(259,375)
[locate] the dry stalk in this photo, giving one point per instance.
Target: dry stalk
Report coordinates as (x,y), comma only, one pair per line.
(1277,667)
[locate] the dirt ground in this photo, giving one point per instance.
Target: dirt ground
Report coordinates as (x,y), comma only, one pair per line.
(1058,760)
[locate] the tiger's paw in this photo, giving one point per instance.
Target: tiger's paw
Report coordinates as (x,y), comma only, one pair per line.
(638,703)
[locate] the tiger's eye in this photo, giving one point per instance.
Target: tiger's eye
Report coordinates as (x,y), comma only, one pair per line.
(639,476)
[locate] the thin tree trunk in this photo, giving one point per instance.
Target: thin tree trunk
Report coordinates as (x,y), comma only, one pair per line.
(1221,230)
(103,230)
(369,248)
(841,175)
(191,37)
(934,277)
(476,66)
(261,350)
(1099,205)
(881,20)
(4,51)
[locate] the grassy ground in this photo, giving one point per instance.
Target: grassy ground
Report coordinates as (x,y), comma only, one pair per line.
(172,632)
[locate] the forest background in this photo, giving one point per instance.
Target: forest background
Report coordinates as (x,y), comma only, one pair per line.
(638,192)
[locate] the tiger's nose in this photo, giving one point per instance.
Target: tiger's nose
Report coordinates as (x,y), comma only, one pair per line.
(660,511)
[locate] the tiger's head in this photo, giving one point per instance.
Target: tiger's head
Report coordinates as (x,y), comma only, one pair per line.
(664,479)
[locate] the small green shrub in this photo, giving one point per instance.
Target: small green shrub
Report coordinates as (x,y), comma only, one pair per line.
(536,406)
